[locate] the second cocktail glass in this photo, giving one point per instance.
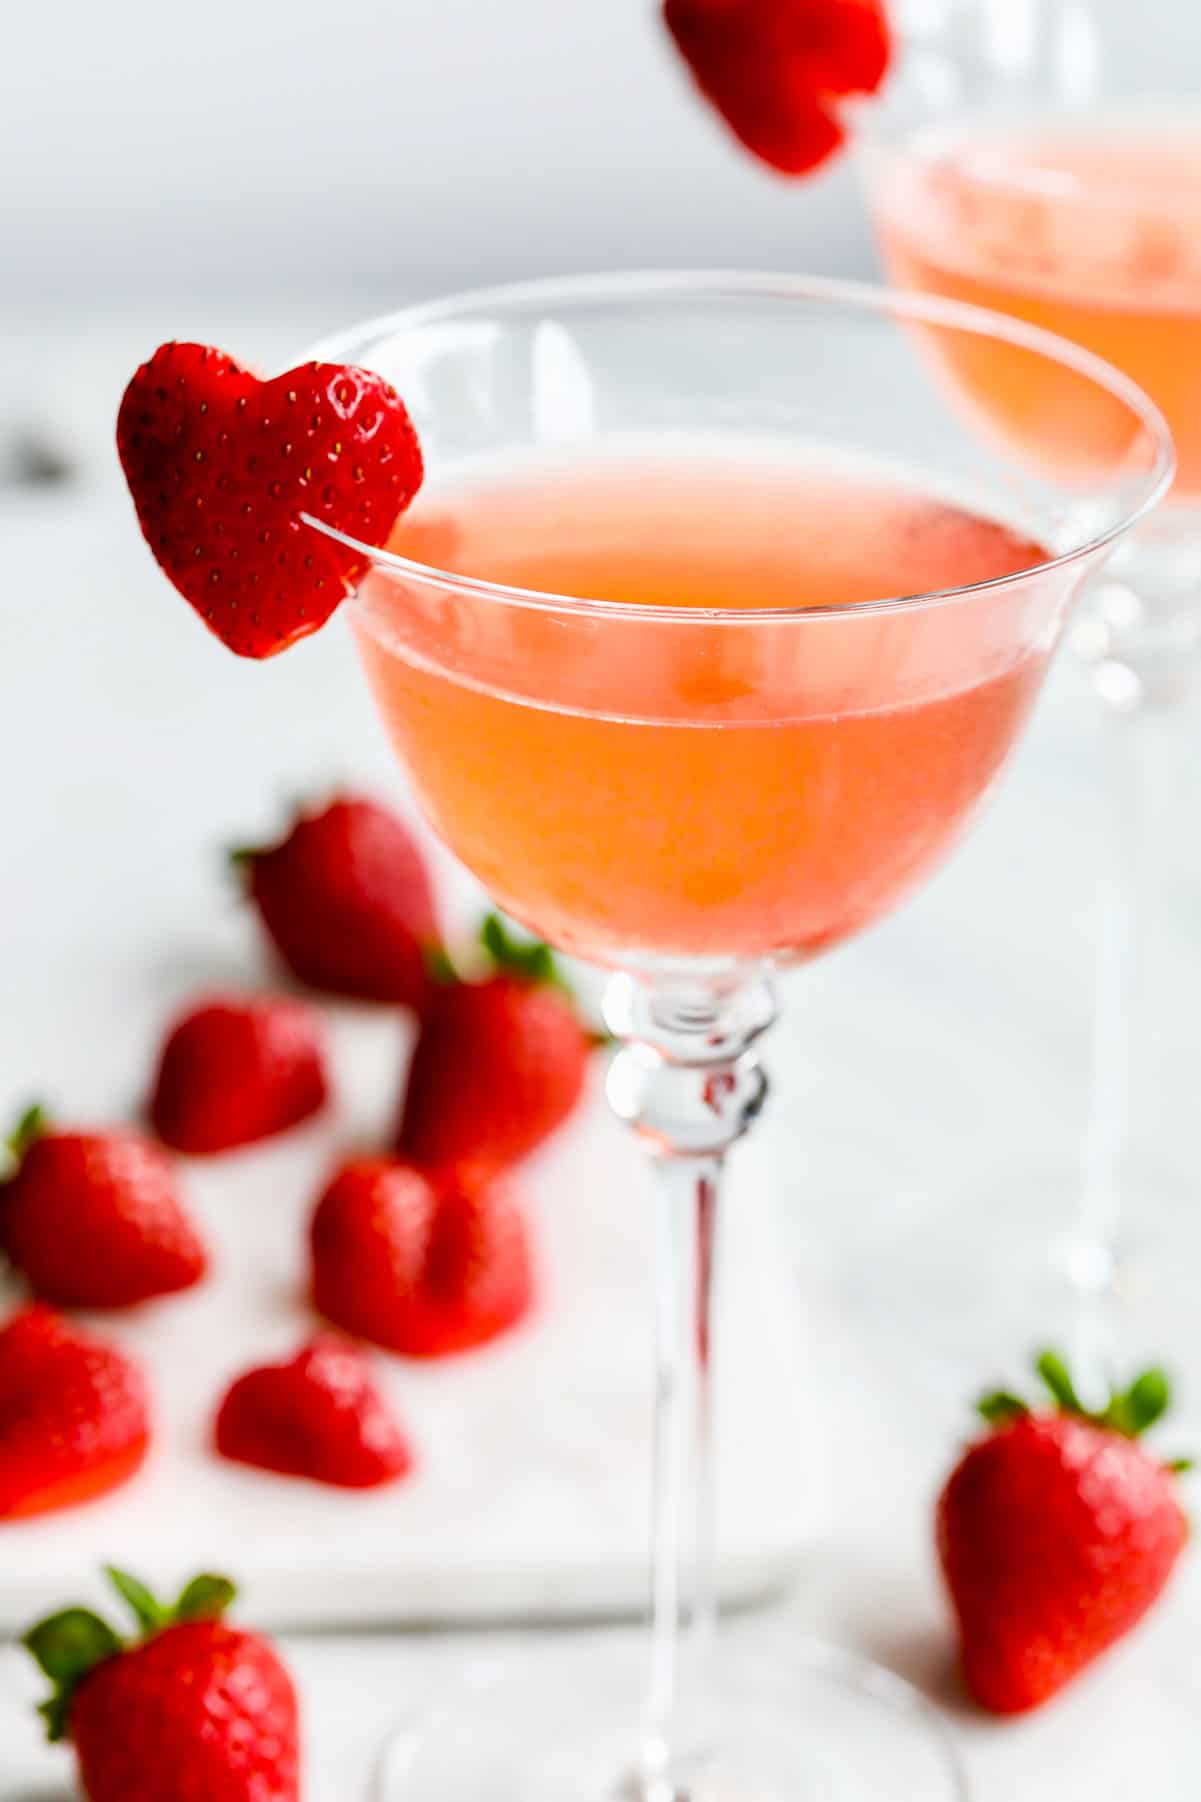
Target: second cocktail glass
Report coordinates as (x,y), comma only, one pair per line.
(711,626)
(1046,161)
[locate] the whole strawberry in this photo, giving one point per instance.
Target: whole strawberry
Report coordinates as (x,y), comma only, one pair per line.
(780,71)
(498,1065)
(192,1710)
(94,1219)
(235,1069)
(222,466)
(74,1415)
(1056,1533)
(423,1269)
(318,1416)
(346,900)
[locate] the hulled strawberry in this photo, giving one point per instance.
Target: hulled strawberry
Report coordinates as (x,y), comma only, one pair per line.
(423,1269)
(74,1415)
(95,1219)
(346,900)
(192,1709)
(236,1069)
(222,466)
(498,1065)
(320,1415)
(780,71)
(1056,1533)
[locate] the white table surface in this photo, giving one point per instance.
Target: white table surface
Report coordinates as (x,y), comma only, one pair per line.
(923,1140)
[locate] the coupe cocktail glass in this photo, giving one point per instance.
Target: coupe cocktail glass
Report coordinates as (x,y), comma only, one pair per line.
(1022,160)
(713,622)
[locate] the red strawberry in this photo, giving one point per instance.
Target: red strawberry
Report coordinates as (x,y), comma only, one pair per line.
(1056,1533)
(422,1270)
(498,1065)
(777,70)
(221,466)
(236,1069)
(74,1415)
(347,902)
(94,1220)
(191,1711)
(319,1416)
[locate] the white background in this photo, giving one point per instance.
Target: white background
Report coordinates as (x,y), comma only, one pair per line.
(388,148)
(291,146)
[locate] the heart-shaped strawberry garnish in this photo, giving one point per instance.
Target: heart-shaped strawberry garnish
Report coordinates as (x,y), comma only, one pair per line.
(778,70)
(222,465)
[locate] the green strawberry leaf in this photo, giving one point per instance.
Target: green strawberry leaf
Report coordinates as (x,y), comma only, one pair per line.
(70,1644)
(1180,1467)
(241,859)
(439,966)
(205,1598)
(67,1647)
(32,1124)
(1053,1370)
(529,959)
(1147,1400)
(1001,1407)
(149,1613)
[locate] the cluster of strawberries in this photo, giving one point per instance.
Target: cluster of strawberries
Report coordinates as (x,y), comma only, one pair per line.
(424,1251)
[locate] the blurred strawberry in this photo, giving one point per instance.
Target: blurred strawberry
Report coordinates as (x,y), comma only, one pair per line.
(74,1415)
(1056,1532)
(320,1416)
(779,71)
(498,1065)
(94,1219)
(222,466)
(194,1710)
(424,1270)
(346,900)
(236,1069)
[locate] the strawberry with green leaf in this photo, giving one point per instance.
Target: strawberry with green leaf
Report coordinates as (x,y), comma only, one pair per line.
(500,1064)
(1057,1532)
(95,1219)
(188,1709)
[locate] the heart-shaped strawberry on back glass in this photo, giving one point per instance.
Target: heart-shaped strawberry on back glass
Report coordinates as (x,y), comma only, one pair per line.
(780,72)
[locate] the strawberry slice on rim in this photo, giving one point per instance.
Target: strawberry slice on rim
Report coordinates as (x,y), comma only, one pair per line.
(222,465)
(779,71)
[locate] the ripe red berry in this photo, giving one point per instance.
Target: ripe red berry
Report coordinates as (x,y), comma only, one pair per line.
(1057,1532)
(237,1069)
(346,900)
(779,70)
(194,1710)
(421,1269)
(221,467)
(74,1415)
(320,1415)
(95,1219)
(498,1065)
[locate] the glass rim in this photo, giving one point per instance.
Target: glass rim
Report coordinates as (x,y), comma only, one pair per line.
(926,141)
(656,286)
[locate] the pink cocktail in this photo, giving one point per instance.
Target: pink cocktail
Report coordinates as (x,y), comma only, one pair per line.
(747,790)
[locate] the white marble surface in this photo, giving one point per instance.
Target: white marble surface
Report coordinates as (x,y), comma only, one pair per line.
(923,1140)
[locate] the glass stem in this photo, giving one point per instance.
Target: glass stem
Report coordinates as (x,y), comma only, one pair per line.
(705,1207)
(687,1080)
(686,1212)
(1134,781)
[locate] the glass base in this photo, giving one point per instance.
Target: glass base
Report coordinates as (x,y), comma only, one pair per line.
(793,1722)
